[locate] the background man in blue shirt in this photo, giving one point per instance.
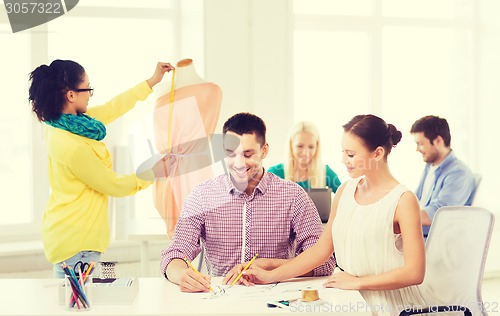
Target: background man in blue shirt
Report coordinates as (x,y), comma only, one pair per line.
(445,180)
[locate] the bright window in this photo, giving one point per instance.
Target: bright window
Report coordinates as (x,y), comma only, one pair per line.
(120,57)
(123,54)
(15,130)
(162,4)
(333,80)
(337,7)
(426,9)
(411,57)
(118,43)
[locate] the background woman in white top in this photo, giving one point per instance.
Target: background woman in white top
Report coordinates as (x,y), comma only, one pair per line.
(372,216)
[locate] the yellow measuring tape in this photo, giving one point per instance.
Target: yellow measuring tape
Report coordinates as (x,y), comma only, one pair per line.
(170,110)
(169,130)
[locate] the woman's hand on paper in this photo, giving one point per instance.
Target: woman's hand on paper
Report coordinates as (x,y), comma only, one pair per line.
(233,275)
(342,280)
(258,275)
(236,270)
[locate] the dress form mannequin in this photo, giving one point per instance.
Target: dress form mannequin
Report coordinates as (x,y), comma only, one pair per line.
(186,74)
(178,125)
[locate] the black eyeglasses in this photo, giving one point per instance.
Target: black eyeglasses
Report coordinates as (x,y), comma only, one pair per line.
(90,90)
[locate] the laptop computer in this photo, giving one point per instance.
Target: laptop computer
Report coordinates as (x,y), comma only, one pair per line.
(322,198)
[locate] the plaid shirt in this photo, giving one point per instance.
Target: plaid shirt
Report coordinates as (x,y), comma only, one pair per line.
(278,220)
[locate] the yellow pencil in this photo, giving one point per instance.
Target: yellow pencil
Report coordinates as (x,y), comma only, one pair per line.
(244,269)
(194,269)
(88,271)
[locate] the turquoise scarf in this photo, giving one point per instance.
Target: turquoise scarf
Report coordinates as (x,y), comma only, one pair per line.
(80,124)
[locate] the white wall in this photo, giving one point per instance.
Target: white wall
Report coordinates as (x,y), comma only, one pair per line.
(248,53)
(488,113)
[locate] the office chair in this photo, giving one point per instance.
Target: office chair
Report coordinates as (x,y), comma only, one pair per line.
(477,178)
(456,251)
(201,259)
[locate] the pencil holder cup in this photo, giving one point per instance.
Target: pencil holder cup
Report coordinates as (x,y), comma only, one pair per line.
(78,297)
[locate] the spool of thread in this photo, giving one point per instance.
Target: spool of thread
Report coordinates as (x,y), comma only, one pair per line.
(310,295)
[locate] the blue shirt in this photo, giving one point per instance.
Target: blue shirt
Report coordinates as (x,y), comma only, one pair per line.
(331,178)
(454,185)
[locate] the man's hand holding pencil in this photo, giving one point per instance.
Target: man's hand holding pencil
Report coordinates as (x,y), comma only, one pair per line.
(193,280)
(234,276)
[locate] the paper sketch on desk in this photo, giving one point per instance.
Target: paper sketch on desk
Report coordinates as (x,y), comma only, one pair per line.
(284,290)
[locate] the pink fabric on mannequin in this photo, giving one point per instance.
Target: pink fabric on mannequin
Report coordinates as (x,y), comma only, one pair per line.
(195,113)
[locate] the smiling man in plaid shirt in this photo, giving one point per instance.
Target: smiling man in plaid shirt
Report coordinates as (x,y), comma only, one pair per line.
(241,213)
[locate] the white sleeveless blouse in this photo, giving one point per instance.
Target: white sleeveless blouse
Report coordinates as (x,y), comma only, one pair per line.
(365,244)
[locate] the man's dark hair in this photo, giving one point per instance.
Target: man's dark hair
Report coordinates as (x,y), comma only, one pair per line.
(246,123)
(432,127)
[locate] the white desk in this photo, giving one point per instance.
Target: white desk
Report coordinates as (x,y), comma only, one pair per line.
(158,296)
(144,232)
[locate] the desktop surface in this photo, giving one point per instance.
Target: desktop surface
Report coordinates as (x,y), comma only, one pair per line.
(157,296)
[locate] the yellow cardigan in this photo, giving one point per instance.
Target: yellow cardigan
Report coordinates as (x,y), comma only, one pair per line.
(81,179)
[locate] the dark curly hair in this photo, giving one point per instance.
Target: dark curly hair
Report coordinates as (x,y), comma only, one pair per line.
(49,85)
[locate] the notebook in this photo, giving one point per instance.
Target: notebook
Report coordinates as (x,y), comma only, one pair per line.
(322,198)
